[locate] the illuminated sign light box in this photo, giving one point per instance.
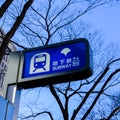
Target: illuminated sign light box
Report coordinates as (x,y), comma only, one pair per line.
(57,63)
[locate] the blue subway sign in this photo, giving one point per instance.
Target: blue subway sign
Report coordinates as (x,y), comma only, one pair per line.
(66,61)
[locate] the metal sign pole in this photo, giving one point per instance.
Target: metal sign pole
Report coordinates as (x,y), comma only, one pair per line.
(11,92)
(13,97)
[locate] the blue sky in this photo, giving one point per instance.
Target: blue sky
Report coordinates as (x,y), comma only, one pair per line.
(106,19)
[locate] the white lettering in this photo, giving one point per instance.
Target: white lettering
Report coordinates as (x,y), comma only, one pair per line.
(60,67)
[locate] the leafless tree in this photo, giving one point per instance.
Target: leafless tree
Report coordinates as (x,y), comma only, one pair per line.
(49,20)
(45,20)
(60,25)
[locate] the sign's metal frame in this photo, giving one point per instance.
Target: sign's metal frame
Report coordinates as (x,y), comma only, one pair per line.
(59,77)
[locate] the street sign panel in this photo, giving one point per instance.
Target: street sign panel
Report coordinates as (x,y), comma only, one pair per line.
(64,60)
(52,64)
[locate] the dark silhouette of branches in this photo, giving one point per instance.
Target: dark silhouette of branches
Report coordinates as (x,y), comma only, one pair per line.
(38,114)
(100,92)
(89,92)
(113,113)
(52,89)
(18,44)
(13,29)
(64,109)
(52,25)
(4,7)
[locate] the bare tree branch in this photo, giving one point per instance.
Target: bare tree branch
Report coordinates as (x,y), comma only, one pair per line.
(61,11)
(52,89)
(93,5)
(12,31)
(37,114)
(93,87)
(88,93)
(18,44)
(113,113)
(4,7)
(100,92)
